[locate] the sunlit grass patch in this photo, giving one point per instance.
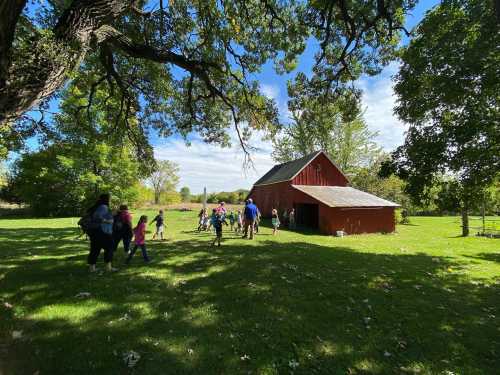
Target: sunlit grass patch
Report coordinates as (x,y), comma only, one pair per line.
(421,300)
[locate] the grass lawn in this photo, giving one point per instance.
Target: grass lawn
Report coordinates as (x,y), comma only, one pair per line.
(421,301)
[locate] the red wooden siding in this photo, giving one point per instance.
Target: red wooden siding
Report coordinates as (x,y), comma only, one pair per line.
(320,172)
(331,219)
(267,197)
(361,220)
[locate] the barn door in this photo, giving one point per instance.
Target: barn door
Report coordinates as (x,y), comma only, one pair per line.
(307,215)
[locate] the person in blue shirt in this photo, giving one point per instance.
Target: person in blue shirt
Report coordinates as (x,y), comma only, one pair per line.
(217,221)
(101,233)
(250,215)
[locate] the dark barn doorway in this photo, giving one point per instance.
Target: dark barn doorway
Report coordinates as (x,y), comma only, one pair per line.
(307,215)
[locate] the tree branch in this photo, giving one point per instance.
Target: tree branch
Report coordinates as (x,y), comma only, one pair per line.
(10,12)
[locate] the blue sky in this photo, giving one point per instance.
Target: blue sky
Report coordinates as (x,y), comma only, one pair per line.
(221,169)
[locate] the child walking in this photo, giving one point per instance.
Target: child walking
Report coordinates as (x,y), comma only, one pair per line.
(239,222)
(232,220)
(159,225)
(217,220)
(201,219)
(275,220)
(139,240)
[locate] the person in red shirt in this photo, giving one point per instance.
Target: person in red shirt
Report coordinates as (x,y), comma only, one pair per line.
(139,240)
(122,228)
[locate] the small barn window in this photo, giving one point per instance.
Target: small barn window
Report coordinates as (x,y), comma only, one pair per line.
(318,168)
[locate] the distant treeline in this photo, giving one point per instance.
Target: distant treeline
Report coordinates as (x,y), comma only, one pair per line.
(232,197)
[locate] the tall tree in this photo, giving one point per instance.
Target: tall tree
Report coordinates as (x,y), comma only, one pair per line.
(185,64)
(447,91)
(335,127)
(185,194)
(164,178)
(367,178)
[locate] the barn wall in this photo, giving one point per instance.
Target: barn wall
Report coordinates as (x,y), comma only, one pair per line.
(267,197)
(367,220)
(282,197)
(352,221)
(326,175)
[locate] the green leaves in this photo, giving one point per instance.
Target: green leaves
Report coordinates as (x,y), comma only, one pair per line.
(447,91)
(65,178)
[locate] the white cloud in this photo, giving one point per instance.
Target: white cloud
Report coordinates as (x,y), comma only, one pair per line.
(219,169)
(379,100)
(270,91)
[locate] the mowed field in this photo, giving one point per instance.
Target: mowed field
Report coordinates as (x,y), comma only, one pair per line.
(420,301)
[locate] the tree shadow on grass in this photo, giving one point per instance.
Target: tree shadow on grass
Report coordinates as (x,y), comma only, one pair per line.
(249,306)
(491,257)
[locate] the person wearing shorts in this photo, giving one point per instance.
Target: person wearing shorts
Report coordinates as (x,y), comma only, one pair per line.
(159,220)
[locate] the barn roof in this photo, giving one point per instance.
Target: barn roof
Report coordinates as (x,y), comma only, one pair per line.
(287,171)
(344,196)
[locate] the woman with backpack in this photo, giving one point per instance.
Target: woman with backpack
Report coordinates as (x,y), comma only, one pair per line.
(100,232)
(122,228)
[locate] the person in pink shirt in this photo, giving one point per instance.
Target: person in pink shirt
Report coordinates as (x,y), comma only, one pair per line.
(221,210)
(139,239)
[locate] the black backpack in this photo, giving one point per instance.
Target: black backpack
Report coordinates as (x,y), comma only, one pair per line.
(87,223)
(118,224)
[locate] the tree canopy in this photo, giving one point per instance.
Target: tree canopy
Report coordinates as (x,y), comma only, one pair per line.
(164,178)
(66,178)
(448,91)
(337,127)
(183,66)
(185,194)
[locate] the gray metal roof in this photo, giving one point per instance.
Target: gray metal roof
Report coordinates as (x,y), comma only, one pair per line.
(344,196)
(286,171)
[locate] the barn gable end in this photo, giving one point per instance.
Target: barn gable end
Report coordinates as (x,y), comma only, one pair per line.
(320,171)
(313,169)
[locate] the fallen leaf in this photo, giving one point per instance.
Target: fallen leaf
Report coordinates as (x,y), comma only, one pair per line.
(131,358)
(124,317)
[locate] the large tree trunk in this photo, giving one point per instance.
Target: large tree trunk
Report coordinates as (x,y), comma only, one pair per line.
(465,220)
(37,71)
(10,11)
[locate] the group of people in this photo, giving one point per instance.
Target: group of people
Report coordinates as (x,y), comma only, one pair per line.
(246,222)
(106,230)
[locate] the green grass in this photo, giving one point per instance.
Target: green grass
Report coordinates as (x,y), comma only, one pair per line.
(423,300)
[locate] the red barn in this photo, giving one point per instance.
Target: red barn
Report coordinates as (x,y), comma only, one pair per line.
(322,199)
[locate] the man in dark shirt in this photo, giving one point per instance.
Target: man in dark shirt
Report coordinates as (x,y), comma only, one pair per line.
(250,215)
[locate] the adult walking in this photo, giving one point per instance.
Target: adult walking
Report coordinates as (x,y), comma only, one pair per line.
(101,233)
(122,228)
(250,215)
